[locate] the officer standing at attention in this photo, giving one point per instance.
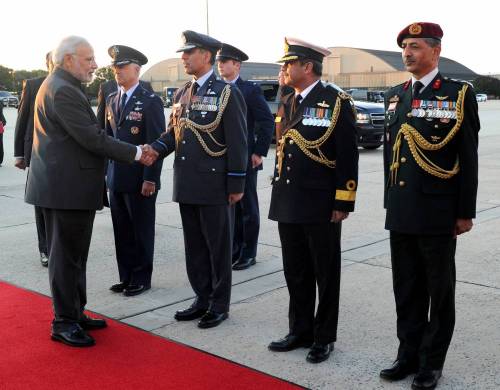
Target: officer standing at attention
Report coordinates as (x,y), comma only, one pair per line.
(260,127)
(207,130)
(133,115)
(431,164)
(314,189)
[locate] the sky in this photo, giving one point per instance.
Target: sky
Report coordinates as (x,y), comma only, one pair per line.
(258,27)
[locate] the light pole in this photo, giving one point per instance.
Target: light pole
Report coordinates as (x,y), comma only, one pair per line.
(206,6)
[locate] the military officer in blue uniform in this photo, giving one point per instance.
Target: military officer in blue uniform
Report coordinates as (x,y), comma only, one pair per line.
(314,189)
(431,164)
(207,131)
(260,127)
(133,115)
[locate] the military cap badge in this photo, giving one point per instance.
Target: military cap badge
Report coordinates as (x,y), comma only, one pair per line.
(415,29)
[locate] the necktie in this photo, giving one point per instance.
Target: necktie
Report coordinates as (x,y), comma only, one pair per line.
(194,88)
(417,86)
(296,103)
(123,99)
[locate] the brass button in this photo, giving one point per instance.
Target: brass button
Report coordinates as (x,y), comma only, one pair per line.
(183,141)
(287,181)
(277,166)
(403,159)
(183,158)
(409,115)
(289,155)
(291,142)
(276,178)
(213,169)
(402,183)
(436,126)
(288,168)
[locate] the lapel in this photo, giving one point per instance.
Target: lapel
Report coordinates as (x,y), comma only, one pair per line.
(310,100)
(405,100)
(130,104)
(206,86)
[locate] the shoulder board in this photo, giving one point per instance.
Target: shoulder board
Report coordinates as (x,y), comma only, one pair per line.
(461,82)
(112,94)
(345,96)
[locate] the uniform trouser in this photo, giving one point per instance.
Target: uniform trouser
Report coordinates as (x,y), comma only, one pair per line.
(423,269)
(208,241)
(68,237)
(133,217)
(41,231)
(311,256)
(247,220)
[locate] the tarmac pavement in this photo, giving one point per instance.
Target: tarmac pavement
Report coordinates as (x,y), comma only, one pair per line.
(366,337)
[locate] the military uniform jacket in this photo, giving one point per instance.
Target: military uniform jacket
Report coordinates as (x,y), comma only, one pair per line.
(210,162)
(260,121)
(68,159)
(304,189)
(23,136)
(438,135)
(141,122)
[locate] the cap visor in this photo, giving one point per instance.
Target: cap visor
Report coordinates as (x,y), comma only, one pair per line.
(287,58)
(186,47)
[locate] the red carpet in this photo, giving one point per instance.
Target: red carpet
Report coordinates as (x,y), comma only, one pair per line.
(123,358)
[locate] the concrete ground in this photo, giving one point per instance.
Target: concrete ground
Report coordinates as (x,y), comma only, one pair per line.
(366,337)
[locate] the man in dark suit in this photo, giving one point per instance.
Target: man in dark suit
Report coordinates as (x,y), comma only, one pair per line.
(314,189)
(23,141)
(107,88)
(207,130)
(260,127)
(66,180)
(136,116)
(431,164)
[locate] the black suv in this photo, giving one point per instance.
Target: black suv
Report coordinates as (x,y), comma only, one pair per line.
(369,118)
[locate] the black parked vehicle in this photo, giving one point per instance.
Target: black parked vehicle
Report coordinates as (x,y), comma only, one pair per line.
(369,117)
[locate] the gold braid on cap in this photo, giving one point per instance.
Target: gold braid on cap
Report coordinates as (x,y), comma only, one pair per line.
(207,129)
(307,146)
(417,144)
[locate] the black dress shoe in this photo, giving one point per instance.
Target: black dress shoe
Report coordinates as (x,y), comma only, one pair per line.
(74,336)
(289,343)
(426,379)
(400,369)
(211,319)
(189,314)
(319,352)
(135,289)
(242,263)
(119,287)
(88,323)
(44,259)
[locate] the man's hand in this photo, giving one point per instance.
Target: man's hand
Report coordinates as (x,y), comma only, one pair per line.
(149,155)
(148,188)
(20,163)
(256,160)
(339,216)
(462,226)
(234,198)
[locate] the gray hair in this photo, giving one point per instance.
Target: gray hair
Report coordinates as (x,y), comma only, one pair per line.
(67,46)
(432,42)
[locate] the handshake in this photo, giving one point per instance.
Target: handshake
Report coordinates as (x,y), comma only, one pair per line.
(148,156)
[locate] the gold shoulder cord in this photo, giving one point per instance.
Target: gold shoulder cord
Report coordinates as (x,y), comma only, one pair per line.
(417,144)
(307,146)
(207,129)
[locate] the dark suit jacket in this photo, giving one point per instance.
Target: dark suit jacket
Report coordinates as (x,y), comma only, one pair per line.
(307,191)
(418,202)
(141,122)
(106,89)
(260,121)
(200,178)
(69,148)
(23,136)
(2,118)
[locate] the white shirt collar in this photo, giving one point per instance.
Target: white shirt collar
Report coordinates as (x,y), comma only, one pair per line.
(426,80)
(234,80)
(129,92)
(306,91)
(201,80)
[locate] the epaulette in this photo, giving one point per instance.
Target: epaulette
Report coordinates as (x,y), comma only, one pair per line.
(345,96)
(461,82)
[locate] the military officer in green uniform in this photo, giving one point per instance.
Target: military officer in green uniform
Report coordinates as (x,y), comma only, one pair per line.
(430,160)
(314,189)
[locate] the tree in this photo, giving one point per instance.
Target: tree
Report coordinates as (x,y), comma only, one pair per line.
(6,78)
(488,85)
(21,75)
(101,75)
